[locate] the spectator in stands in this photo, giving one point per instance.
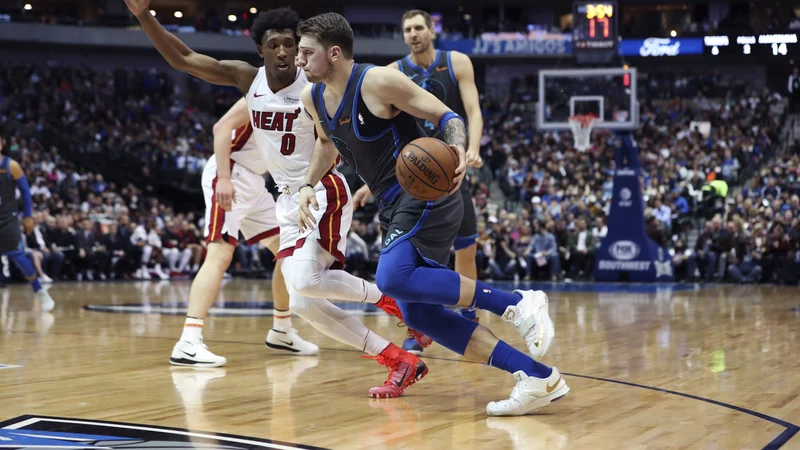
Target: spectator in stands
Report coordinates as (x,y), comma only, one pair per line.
(146,237)
(542,254)
(581,250)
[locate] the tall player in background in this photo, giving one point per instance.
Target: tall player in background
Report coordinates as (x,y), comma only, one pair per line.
(11,245)
(285,135)
(450,77)
(236,200)
(367,115)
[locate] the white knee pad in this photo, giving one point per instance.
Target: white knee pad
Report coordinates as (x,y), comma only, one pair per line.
(304,270)
(304,276)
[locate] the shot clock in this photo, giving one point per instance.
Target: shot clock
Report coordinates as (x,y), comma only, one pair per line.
(594,30)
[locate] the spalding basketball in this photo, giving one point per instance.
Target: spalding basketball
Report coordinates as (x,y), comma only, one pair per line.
(426,168)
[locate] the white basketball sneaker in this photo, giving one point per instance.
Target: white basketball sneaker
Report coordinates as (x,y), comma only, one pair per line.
(291,342)
(195,354)
(532,321)
(45,301)
(530,394)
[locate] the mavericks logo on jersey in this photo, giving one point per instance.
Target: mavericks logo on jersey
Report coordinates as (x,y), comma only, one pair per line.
(437,89)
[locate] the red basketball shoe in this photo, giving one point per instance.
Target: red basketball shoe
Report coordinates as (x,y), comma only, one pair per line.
(405,369)
(389,305)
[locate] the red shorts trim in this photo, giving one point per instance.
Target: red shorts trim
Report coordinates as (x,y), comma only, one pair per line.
(261,236)
(289,251)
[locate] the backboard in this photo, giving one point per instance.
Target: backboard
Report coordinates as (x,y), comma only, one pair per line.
(608,93)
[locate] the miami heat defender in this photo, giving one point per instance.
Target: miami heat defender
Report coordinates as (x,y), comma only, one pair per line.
(367,115)
(284,133)
(236,171)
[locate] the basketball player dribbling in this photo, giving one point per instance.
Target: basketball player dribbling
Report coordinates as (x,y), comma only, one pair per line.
(285,134)
(235,172)
(367,115)
(12,178)
(450,77)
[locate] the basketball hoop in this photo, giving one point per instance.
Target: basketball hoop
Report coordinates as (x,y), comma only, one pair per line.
(581,126)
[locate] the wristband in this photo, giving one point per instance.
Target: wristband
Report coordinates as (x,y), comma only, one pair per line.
(306,185)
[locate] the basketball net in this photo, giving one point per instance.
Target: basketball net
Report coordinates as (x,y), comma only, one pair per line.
(581,126)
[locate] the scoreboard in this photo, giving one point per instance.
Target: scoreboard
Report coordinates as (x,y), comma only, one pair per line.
(594,29)
(765,45)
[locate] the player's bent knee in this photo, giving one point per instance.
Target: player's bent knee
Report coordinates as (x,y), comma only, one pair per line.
(396,272)
(388,282)
(305,277)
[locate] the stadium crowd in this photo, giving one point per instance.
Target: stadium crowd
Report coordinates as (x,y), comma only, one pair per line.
(453,22)
(97,146)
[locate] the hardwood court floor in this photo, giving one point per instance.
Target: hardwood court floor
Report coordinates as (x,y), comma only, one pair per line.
(683,367)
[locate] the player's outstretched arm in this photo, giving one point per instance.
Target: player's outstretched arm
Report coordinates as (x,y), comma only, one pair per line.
(322,159)
(181,57)
(236,117)
(392,87)
(465,75)
(18,175)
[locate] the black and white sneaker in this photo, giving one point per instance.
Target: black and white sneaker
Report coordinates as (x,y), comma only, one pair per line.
(195,354)
(290,342)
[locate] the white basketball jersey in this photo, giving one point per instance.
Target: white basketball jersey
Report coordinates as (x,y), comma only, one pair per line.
(244,150)
(283,130)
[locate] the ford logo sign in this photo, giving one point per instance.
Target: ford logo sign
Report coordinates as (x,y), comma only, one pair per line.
(660,47)
(624,250)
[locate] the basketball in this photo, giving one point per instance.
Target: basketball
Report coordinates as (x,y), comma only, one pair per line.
(426,168)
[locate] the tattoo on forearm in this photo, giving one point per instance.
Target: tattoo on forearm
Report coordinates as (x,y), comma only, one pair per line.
(454,132)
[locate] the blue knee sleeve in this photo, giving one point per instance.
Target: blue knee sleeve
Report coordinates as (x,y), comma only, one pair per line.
(26,267)
(446,327)
(405,275)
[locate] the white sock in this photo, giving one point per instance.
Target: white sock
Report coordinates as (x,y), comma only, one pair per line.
(374,344)
(282,320)
(192,330)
